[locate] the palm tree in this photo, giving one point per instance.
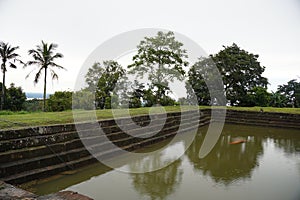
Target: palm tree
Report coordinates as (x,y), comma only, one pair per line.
(8,56)
(44,57)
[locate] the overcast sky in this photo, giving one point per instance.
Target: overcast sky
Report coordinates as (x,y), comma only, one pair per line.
(270,28)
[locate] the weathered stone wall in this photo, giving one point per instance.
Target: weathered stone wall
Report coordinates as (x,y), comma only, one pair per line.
(31,153)
(270,119)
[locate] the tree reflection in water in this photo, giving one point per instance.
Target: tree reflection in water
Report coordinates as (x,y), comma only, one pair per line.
(157,184)
(289,143)
(227,163)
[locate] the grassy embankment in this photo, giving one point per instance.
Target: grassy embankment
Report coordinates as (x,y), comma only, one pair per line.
(24,119)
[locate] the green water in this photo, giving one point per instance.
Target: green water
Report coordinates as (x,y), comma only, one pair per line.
(267,166)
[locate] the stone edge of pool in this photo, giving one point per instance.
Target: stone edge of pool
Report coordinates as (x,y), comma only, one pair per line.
(10,192)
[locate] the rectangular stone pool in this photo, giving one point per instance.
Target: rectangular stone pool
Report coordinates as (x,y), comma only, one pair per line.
(266,166)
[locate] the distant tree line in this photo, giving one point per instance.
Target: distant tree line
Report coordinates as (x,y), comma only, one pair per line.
(241,72)
(163,59)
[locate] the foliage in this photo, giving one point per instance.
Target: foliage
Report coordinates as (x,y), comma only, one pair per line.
(8,56)
(93,75)
(291,91)
(258,96)
(106,76)
(1,99)
(33,105)
(241,72)
(60,101)
(44,56)
(203,81)
(278,100)
(15,98)
(146,97)
(83,99)
(136,95)
(162,59)
(183,101)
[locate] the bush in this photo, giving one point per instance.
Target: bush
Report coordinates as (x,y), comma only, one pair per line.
(15,98)
(83,99)
(60,101)
(33,105)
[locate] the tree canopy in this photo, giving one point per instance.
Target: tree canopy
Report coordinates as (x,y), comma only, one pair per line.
(8,57)
(291,91)
(162,59)
(241,72)
(15,98)
(44,56)
(102,79)
(204,83)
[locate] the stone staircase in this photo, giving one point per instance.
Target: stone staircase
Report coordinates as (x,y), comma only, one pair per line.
(33,153)
(280,120)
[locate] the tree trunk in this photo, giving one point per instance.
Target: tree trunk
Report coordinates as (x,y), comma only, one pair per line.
(45,83)
(3,99)
(159,92)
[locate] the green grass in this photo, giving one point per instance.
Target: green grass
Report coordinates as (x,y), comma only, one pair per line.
(9,120)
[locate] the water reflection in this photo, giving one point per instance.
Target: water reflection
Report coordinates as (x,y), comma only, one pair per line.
(289,146)
(161,183)
(266,166)
(227,163)
(158,184)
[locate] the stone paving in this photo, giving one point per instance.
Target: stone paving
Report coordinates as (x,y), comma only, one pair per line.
(10,192)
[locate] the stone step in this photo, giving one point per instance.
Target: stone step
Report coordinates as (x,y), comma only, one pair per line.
(41,161)
(28,175)
(14,155)
(263,120)
(57,157)
(256,115)
(285,125)
(42,139)
(39,140)
(24,153)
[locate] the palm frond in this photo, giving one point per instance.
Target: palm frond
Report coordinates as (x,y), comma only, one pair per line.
(57,55)
(20,61)
(32,51)
(29,74)
(12,65)
(37,76)
(12,49)
(53,74)
(33,62)
(56,65)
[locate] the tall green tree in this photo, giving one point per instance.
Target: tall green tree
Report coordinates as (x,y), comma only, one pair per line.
(241,72)
(291,91)
(44,56)
(204,83)
(8,57)
(102,79)
(162,58)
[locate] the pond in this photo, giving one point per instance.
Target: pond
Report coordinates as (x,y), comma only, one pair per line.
(266,166)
